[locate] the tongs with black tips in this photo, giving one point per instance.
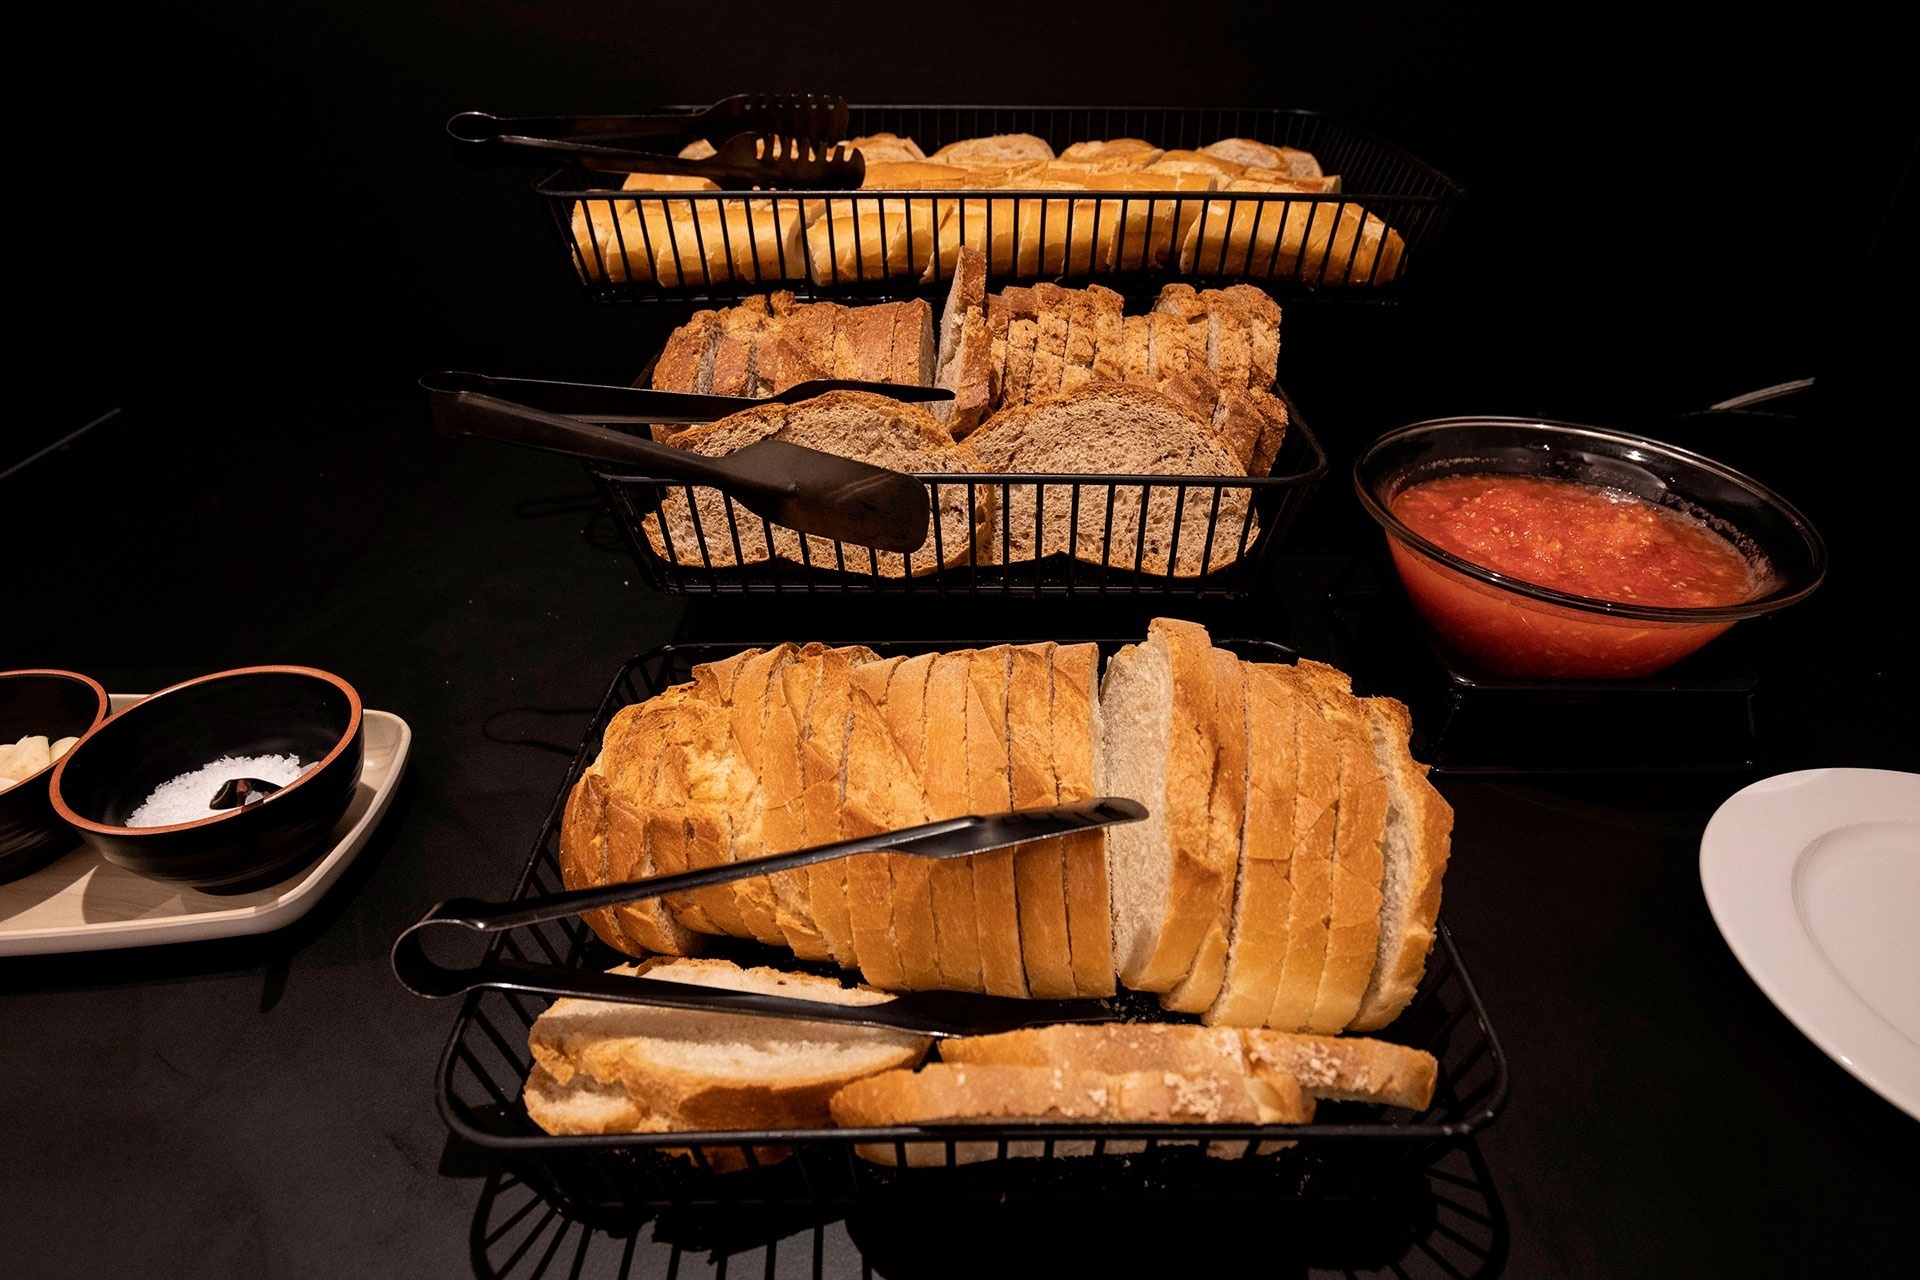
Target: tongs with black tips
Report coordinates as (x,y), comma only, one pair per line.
(932,1013)
(740,162)
(802,489)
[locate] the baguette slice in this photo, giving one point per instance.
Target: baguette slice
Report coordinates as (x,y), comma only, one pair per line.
(1419,822)
(1226,833)
(719,1071)
(1262,897)
(957,932)
(1079,766)
(989,788)
(1000,149)
(1039,869)
(1161,741)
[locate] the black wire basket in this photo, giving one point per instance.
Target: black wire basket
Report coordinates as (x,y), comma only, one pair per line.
(612,1178)
(1364,241)
(1216,535)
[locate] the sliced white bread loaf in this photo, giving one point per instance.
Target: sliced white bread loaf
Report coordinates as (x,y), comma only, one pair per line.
(823,758)
(956,929)
(783,777)
(879,792)
(698,1071)
(1263,895)
(1227,809)
(989,788)
(1161,740)
(640,841)
(749,706)
(1079,759)
(1109,428)
(1316,759)
(902,704)
(1039,869)
(1419,823)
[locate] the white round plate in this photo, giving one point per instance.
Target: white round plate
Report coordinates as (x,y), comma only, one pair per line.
(1814,880)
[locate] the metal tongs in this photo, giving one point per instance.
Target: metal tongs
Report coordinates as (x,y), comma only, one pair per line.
(774,141)
(802,489)
(932,1013)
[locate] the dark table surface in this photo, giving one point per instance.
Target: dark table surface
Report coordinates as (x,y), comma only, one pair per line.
(265,1106)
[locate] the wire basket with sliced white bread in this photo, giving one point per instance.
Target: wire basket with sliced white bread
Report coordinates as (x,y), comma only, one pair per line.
(1281,898)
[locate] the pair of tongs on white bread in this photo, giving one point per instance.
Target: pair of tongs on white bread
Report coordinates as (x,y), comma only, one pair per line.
(776,142)
(803,489)
(933,1013)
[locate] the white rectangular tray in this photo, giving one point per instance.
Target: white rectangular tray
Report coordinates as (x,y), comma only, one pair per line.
(83,903)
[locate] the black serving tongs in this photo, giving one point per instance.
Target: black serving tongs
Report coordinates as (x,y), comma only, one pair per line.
(758,141)
(932,1013)
(802,489)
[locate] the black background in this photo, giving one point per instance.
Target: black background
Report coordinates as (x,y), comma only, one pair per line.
(239,223)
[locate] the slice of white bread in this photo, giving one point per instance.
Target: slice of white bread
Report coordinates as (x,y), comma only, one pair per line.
(989,788)
(636,844)
(698,1071)
(1157,699)
(1262,896)
(1079,760)
(1226,833)
(823,759)
(1353,923)
(1316,759)
(1419,824)
(858,425)
(699,782)
(750,708)
(1039,869)
(1111,428)
(1346,1068)
(956,931)
(583,855)
(902,704)
(879,792)
(784,820)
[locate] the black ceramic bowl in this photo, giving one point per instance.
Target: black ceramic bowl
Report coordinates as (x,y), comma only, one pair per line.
(56,704)
(253,711)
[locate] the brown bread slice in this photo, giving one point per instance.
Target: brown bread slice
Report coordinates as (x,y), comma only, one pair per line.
(784,820)
(1113,428)
(1136,350)
(1226,833)
(1039,869)
(970,377)
(1050,348)
(1079,760)
(863,342)
(1353,932)
(1419,823)
(872,428)
(957,933)
(905,710)
(686,362)
(989,789)
(1077,370)
(911,359)
(1180,332)
(967,292)
(999,317)
(751,702)
(1109,334)
(1159,706)
(1347,1068)
(1273,433)
(1022,336)
(1310,869)
(823,761)
(1263,897)
(1229,340)
(1261,316)
(1239,423)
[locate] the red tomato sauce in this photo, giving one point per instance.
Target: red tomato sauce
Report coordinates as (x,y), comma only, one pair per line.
(1581,539)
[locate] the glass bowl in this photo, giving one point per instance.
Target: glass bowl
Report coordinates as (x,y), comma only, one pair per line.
(1493,625)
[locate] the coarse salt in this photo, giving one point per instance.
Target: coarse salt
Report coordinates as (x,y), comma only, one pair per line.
(185,798)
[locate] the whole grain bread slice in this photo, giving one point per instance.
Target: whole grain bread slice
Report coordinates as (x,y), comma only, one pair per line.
(1039,869)
(1079,767)
(1109,334)
(1419,823)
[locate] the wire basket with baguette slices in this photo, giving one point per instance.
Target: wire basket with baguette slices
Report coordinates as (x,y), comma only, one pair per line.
(1085,450)
(1301,203)
(1293,1017)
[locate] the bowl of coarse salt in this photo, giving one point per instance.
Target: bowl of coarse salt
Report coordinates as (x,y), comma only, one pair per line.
(225,783)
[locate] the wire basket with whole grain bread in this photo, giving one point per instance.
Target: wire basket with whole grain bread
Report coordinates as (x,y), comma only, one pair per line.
(1301,203)
(1085,451)
(614,1110)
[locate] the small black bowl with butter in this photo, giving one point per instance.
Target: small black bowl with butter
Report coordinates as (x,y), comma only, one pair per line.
(255,835)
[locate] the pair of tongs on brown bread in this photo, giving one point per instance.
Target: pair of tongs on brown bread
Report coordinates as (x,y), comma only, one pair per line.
(773,141)
(932,1013)
(786,484)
